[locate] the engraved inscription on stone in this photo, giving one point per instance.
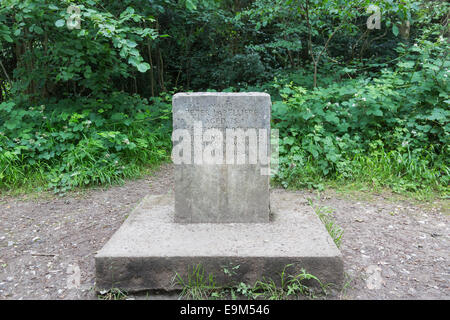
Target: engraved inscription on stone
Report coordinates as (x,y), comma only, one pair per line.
(221,147)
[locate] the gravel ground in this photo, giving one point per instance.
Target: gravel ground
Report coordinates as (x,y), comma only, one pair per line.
(392,249)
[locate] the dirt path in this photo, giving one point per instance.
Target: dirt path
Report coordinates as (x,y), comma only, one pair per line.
(391,250)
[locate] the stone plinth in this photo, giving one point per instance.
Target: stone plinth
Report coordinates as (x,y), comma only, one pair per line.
(149,249)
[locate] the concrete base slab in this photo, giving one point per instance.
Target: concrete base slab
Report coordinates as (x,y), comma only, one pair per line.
(149,249)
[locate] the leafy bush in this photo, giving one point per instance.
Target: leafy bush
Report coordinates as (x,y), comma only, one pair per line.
(79,142)
(392,130)
(352,104)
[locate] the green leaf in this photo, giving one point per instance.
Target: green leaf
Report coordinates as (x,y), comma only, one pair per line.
(60,23)
(143,67)
(134,61)
(7,106)
(190,5)
(289,140)
(7,38)
(131,43)
(395,30)
(11,124)
(406,64)
(38,30)
(438,114)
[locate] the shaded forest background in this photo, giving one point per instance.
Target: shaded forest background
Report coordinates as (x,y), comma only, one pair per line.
(356,106)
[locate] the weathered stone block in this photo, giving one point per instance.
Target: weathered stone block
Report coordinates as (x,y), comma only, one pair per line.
(149,249)
(221,155)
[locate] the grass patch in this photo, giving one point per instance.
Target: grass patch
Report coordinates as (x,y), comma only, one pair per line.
(201,286)
(197,285)
(83,142)
(34,186)
(112,294)
(325,215)
(364,189)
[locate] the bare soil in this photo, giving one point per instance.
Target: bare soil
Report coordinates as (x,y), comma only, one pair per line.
(392,249)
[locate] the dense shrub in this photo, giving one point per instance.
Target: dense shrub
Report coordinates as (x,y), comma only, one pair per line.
(391,130)
(351,103)
(86,141)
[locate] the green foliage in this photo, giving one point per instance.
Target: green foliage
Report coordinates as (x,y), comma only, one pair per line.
(392,130)
(325,215)
(112,294)
(290,286)
(80,142)
(197,285)
(351,104)
(48,59)
(201,286)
